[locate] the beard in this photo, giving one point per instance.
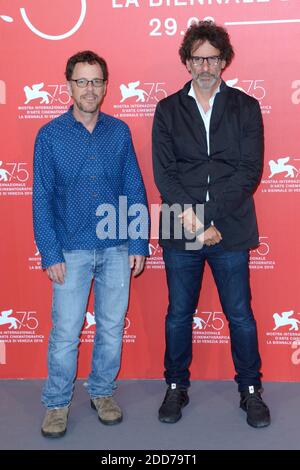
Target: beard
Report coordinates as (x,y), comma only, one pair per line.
(206,80)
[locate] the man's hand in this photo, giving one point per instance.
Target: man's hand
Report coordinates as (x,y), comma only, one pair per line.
(136,263)
(190,221)
(56,272)
(211,236)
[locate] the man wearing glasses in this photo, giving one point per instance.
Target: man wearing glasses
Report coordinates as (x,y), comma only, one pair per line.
(84,162)
(208,152)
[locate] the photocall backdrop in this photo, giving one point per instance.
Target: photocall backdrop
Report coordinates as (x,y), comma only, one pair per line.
(140,41)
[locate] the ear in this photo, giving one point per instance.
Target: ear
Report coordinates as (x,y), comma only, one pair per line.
(69,88)
(105,88)
(223,64)
(188,66)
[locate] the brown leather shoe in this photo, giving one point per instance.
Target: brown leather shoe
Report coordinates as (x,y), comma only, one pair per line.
(55,422)
(108,410)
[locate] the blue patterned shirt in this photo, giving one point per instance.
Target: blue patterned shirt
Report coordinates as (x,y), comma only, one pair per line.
(75,171)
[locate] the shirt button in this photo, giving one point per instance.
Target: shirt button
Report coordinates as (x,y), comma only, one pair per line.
(93,177)
(92,157)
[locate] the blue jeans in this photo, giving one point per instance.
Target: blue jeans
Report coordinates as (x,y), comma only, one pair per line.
(230,269)
(111,273)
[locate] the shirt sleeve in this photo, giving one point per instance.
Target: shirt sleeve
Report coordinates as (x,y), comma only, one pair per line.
(134,190)
(43,196)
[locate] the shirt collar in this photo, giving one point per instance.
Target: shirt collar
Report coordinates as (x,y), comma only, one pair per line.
(71,119)
(211,99)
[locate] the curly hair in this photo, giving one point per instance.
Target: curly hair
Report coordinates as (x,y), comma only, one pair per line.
(203,31)
(85,56)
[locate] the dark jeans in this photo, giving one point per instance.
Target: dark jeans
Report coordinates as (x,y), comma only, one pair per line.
(184,277)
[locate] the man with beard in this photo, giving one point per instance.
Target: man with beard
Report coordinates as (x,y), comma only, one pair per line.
(208,152)
(84,162)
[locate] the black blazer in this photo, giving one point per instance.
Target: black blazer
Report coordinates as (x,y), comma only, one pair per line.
(181,163)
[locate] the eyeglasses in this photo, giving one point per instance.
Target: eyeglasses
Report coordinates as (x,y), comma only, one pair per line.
(83,82)
(212,60)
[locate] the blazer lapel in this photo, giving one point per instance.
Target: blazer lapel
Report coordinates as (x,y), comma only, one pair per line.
(217,132)
(193,115)
(219,107)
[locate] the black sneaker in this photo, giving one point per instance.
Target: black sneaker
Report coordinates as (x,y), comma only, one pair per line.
(175,399)
(258,414)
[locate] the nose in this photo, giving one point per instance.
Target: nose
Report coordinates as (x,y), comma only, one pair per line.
(205,65)
(90,85)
